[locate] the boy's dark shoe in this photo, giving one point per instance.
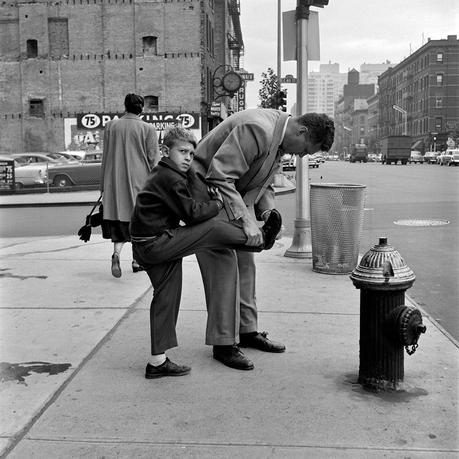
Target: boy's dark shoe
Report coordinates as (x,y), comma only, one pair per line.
(271,228)
(168,368)
(232,357)
(261,342)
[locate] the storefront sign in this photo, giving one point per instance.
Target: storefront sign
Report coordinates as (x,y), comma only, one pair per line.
(160,120)
(7,174)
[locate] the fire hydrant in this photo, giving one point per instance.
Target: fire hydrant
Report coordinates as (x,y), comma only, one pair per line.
(386,324)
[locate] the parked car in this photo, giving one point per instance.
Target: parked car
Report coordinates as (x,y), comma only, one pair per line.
(454,161)
(79,154)
(289,162)
(319,157)
(38,157)
(416,157)
(85,172)
(372,157)
(430,157)
(28,175)
(445,158)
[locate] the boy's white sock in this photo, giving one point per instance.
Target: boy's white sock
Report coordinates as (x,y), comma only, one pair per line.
(157,360)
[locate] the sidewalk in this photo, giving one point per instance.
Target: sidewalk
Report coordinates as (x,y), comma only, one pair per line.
(84,394)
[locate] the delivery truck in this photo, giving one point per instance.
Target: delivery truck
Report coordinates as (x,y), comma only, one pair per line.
(359,152)
(395,148)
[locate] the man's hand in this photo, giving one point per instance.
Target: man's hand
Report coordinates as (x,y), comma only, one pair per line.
(251,230)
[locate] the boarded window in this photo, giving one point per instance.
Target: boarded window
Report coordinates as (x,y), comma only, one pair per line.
(9,45)
(150,45)
(32,48)
(58,34)
(150,103)
(36,108)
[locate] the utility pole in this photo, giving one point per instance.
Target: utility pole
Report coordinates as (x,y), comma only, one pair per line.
(301,244)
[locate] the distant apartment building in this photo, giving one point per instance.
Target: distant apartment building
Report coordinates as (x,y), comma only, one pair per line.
(324,88)
(420,95)
(66,66)
(369,73)
(373,123)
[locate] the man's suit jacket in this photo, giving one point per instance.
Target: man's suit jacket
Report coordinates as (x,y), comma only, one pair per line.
(240,156)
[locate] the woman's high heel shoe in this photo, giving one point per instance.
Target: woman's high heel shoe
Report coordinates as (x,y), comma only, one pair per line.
(116,268)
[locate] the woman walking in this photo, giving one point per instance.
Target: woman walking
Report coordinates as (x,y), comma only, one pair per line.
(130,152)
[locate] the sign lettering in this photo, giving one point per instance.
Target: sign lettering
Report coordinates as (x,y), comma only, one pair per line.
(160,120)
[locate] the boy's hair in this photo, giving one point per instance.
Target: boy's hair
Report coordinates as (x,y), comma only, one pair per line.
(177,133)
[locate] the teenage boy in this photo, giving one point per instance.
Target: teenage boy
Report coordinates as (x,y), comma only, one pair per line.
(160,243)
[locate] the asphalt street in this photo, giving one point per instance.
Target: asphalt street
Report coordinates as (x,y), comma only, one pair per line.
(412,192)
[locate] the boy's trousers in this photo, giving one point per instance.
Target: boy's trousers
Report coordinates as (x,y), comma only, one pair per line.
(162,260)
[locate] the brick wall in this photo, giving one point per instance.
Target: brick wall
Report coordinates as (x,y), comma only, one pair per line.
(105,61)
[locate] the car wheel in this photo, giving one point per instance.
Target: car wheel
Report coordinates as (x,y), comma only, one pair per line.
(61,181)
(18,185)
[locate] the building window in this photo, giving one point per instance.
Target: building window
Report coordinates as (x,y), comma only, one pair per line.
(58,33)
(438,102)
(36,108)
(150,45)
(32,49)
(439,57)
(150,103)
(439,79)
(438,123)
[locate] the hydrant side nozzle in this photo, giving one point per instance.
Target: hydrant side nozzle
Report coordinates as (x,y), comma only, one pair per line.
(421,329)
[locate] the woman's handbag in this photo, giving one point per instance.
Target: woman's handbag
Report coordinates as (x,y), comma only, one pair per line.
(92,220)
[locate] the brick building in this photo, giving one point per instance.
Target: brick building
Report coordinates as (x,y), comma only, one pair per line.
(351,113)
(425,89)
(61,60)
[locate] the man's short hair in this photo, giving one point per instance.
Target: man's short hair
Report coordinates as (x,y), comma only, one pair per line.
(177,133)
(321,129)
(133,103)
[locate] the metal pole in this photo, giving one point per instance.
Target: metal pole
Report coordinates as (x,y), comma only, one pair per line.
(301,244)
(279,43)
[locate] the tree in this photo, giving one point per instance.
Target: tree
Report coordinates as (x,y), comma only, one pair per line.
(269,88)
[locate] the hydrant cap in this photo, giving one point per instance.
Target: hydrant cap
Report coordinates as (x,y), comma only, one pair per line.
(383,268)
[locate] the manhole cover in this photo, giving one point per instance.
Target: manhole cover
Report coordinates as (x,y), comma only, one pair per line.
(421,222)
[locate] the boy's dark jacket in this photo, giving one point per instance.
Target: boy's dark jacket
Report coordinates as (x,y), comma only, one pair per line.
(167,198)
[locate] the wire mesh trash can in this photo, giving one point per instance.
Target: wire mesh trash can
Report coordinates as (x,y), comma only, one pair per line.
(336,226)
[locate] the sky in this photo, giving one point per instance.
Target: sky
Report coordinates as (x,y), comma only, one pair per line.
(351,33)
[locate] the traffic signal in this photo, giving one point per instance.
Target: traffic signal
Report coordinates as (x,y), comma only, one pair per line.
(282,101)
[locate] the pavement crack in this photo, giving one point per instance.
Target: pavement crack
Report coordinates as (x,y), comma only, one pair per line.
(4,274)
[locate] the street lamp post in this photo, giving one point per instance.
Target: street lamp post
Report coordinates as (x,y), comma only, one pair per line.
(405,114)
